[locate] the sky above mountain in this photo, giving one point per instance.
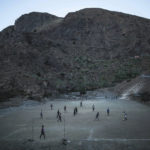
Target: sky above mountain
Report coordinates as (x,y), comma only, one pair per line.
(10,10)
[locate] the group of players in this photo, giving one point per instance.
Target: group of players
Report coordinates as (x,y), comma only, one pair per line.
(75,111)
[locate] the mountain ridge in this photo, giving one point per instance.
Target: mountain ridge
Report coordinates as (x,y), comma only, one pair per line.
(88,49)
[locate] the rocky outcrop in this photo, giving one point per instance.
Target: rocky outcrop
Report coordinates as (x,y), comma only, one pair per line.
(32,22)
(42,55)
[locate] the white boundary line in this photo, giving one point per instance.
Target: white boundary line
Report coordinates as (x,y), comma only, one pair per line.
(115,139)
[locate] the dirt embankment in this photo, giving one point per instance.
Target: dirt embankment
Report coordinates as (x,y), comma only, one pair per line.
(136,89)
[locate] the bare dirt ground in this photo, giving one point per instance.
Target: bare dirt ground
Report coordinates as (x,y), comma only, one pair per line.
(83,132)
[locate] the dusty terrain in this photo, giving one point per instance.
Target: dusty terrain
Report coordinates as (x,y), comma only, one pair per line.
(82,131)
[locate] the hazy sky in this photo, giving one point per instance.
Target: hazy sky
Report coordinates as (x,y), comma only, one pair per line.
(10,10)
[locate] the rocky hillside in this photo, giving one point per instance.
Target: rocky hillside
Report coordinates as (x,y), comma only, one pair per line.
(43,55)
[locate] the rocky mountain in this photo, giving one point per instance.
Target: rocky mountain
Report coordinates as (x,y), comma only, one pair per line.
(43,55)
(34,21)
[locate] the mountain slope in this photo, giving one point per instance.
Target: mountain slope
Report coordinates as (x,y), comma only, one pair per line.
(43,54)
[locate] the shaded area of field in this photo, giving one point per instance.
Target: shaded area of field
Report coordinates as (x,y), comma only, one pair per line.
(76,145)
